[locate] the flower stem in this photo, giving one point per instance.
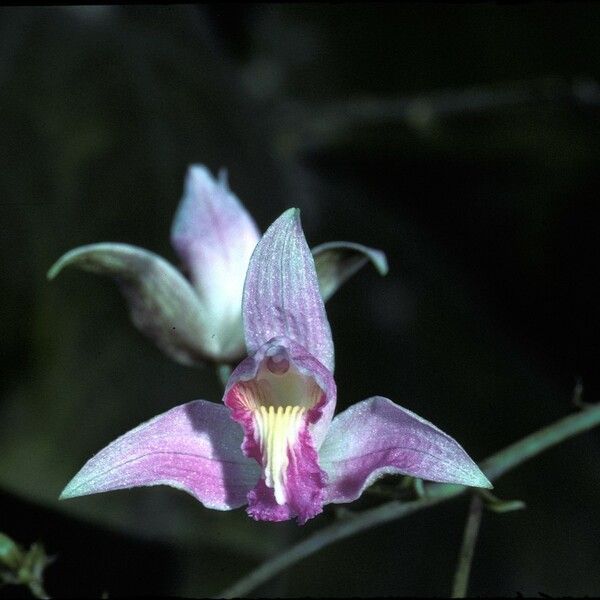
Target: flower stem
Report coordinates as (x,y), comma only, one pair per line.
(37,590)
(463,569)
(223,371)
(494,466)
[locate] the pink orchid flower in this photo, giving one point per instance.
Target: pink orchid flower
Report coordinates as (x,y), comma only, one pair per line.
(214,236)
(274,444)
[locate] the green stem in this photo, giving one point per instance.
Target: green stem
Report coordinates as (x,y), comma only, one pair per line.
(223,371)
(465,559)
(326,536)
(37,590)
(494,466)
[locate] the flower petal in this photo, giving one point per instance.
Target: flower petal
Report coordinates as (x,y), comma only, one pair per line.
(194,447)
(336,262)
(214,236)
(162,304)
(281,293)
(377,437)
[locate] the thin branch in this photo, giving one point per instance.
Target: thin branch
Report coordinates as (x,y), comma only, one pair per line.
(347,527)
(465,559)
(493,467)
(223,372)
(496,465)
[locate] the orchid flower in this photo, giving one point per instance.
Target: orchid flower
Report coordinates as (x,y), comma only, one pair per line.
(214,236)
(275,445)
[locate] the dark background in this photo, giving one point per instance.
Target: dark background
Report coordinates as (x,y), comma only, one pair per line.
(463,140)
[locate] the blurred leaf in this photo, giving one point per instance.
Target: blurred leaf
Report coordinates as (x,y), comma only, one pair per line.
(498,505)
(24,568)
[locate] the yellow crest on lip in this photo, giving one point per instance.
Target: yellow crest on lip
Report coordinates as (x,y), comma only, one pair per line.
(276,430)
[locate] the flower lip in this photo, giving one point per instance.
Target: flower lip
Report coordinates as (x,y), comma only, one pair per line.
(284,400)
(272,359)
(273,378)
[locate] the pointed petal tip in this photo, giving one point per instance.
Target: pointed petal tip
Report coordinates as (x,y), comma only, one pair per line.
(79,485)
(377,437)
(471,476)
(281,292)
(202,176)
(202,172)
(54,270)
(290,214)
(475,478)
(484,482)
(82,256)
(380,261)
(194,447)
(336,262)
(198,169)
(63,261)
(70,490)
(377,257)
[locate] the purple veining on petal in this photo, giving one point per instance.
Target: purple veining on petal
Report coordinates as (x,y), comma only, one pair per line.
(281,293)
(215,236)
(284,395)
(377,437)
(194,447)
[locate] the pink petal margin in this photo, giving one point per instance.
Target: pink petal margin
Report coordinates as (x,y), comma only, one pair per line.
(281,293)
(376,437)
(194,447)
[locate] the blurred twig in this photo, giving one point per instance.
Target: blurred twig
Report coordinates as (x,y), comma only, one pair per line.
(494,467)
(20,567)
(314,127)
(465,559)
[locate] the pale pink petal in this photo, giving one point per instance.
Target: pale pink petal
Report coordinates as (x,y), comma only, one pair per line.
(194,447)
(377,437)
(336,262)
(281,293)
(214,236)
(162,303)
